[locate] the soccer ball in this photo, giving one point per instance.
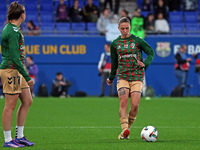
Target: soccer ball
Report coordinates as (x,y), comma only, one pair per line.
(149,134)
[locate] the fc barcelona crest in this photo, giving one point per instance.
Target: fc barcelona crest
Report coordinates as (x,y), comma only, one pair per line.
(163,49)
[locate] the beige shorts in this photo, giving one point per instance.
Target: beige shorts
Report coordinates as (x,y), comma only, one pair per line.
(12,81)
(134,86)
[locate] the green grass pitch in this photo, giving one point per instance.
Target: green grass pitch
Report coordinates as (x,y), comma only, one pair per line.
(92,123)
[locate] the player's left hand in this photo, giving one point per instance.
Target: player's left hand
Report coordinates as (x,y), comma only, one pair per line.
(109,82)
(141,64)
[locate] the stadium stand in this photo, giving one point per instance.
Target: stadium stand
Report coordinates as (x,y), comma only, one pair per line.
(47,28)
(63,28)
(80,27)
(3,6)
(1,25)
(46,6)
(47,17)
(32,15)
(31,5)
(192,28)
(3,11)
(177,29)
(2,17)
(10,1)
(43,12)
(93,28)
(145,13)
(139,3)
(175,17)
(191,17)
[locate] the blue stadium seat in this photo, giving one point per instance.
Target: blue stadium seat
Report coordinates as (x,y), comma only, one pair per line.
(3,17)
(199,6)
(191,17)
(31,5)
(192,28)
(1,26)
(47,28)
(3,6)
(80,27)
(32,15)
(63,28)
(175,17)
(3,1)
(19,1)
(177,29)
(46,6)
(47,17)
(145,13)
(139,3)
(92,29)
(81,3)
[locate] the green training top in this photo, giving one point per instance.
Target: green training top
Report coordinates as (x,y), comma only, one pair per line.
(137,28)
(124,53)
(13,52)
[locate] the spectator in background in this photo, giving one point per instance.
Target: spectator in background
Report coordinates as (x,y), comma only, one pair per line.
(150,23)
(137,24)
(117,4)
(60,86)
(104,67)
(62,12)
(174,5)
(103,21)
(90,12)
(147,5)
(32,70)
(76,13)
(161,8)
(181,67)
(190,5)
(32,28)
(161,24)
(124,13)
(110,3)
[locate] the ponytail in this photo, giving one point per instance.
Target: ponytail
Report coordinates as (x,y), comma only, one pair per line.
(14,11)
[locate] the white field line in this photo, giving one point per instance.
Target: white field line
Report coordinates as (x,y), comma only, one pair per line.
(106,127)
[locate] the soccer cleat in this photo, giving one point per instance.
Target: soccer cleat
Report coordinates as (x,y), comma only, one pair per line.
(124,134)
(23,141)
(12,144)
(127,138)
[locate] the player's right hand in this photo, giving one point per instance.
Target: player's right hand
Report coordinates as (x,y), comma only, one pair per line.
(30,82)
(109,82)
(141,64)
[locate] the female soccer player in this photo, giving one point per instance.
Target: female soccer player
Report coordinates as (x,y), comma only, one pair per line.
(14,78)
(127,61)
